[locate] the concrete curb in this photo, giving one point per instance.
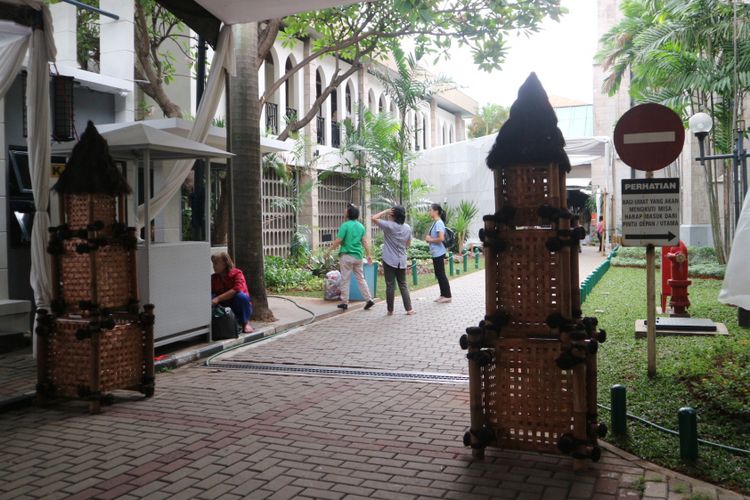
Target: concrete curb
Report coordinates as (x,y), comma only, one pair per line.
(175,361)
(663,471)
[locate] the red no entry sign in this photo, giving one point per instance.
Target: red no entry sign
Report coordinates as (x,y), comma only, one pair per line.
(649,137)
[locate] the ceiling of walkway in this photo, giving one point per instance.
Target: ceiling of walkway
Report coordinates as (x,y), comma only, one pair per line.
(244,11)
(206,16)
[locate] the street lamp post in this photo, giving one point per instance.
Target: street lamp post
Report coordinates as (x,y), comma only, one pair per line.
(701,124)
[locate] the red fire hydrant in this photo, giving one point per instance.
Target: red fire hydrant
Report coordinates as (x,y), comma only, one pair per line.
(674,279)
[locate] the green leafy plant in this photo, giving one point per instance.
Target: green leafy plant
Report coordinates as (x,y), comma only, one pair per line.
(282,274)
(321,262)
(463,216)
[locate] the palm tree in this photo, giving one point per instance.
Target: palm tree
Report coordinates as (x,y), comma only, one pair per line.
(463,216)
(246,240)
(681,53)
(373,148)
(408,88)
(489,120)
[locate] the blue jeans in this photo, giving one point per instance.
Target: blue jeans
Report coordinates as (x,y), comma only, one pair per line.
(241,307)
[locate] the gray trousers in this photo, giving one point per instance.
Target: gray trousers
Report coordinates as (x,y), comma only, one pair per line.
(393,275)
(350,264)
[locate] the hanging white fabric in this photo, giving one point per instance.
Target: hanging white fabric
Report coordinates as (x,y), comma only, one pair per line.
(736,288)
(37,91)
(13,46)
(223,59)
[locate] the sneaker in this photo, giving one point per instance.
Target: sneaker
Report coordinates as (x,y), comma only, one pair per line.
(369,304)
(343,306)
(438,299)
(443,300)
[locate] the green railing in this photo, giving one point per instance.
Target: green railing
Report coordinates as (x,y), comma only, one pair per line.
(590,281)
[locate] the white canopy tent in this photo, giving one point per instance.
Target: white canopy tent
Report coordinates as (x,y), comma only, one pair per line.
(736,287)
(458,171)
(28,31)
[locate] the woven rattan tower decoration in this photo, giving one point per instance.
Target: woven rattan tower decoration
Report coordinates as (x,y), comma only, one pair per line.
(532,360)
(96,339)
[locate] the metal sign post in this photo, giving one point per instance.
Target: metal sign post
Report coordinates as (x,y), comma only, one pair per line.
(650,137)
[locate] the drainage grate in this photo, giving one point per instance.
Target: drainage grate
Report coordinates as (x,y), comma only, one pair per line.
(334,371)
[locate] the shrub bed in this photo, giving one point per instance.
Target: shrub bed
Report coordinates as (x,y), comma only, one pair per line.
(702,261)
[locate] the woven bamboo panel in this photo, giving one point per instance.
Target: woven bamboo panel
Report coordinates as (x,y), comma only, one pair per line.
(533,398)
(527,282)
(113,284)
(70,361)
(83,209)
(526,188)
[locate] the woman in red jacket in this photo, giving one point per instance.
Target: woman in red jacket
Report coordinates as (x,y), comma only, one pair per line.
(228,288)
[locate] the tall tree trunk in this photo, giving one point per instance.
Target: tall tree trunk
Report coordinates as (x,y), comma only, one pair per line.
(246,198)
(220,232)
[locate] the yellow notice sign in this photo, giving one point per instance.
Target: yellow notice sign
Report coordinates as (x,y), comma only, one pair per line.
(57,169)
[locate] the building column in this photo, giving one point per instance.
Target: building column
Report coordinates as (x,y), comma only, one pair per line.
(65,34)
(261,91)
(117,48)
(308,214)
(3,208)
(460,128)
(434,131)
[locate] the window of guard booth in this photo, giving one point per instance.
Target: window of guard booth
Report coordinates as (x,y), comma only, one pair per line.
(193,204)
(219,210)
(141,198)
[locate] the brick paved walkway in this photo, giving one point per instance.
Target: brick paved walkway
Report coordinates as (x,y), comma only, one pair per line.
(231,434)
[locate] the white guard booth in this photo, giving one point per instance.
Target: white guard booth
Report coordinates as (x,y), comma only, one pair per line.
(174,276)
(458,171)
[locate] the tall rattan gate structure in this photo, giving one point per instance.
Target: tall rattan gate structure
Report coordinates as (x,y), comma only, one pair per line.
(532,360)
(96,338)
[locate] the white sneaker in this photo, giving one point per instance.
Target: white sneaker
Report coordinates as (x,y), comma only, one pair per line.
(443,300)
(438,299)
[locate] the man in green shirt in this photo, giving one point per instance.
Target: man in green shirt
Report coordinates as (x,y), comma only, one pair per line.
(354,247)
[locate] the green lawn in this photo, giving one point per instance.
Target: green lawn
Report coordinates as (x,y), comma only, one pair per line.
(710,374)
(426,278)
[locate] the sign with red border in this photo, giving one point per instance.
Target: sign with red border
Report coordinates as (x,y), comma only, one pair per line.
(649,137)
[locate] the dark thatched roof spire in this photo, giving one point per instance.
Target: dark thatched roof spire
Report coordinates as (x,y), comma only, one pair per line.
(530,136)
(91,169)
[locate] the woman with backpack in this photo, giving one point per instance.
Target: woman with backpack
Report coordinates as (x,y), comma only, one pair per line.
(435,237)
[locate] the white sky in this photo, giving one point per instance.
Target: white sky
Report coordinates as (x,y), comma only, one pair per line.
(561,54)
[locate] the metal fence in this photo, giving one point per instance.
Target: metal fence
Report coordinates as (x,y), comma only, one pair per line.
(335,191)
(278,217)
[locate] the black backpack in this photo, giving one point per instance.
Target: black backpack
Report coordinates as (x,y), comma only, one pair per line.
(223,323)
(449,238)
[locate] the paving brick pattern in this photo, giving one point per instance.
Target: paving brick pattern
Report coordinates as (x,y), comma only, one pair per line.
(209,433)
(17,373)
(426,341)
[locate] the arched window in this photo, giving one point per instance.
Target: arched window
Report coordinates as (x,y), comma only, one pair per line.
(290,91)
(348,100)
(320,120)
(381,104)
(424,131)
(272,105)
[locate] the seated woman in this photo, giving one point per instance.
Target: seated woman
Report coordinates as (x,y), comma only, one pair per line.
(228,288)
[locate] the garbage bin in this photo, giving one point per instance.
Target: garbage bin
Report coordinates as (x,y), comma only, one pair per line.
(371,277)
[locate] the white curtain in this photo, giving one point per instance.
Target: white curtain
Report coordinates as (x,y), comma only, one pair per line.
(37,92)
(14,41)
(736,288)
(223,60)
